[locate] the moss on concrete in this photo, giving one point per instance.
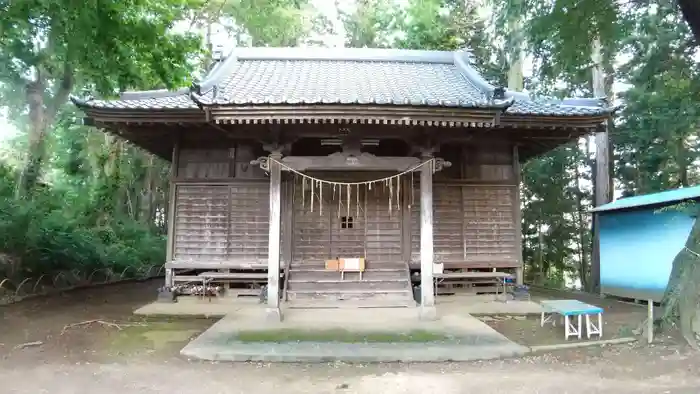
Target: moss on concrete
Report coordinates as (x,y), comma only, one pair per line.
(338,335)
(156,335)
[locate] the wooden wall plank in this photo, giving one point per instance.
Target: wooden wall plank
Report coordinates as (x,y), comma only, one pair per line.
(490,230)
(473,223)
(311,229)
(384,226)
(250,221)
(223,222)
(448,222)
(201,223)
(205,163)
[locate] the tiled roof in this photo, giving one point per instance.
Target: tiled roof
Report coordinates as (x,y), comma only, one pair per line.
(346,82)
(175,101)
(345,76)
(522,107)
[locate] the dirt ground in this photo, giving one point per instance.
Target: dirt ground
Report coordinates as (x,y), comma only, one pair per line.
(141,356)
(619,320)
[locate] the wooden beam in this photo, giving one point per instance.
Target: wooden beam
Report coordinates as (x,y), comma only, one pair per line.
(341,161)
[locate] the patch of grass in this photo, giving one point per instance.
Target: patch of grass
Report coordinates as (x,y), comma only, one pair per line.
(339,335)
(156,335)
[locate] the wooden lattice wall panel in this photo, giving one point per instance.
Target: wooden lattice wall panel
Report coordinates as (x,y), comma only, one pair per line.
(222,222)
(250,221)
(384,230)
(489,230)
(311,237)
(348,223)
(448,223)
(362,226)
(201,222)
(471,223)
(414,209)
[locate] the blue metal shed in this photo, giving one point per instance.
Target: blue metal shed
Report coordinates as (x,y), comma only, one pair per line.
(638,242)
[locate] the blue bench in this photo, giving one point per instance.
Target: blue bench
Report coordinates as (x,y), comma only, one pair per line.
(569,309)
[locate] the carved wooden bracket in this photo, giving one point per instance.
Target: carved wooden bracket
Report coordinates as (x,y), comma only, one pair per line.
(441,163)
(263,162)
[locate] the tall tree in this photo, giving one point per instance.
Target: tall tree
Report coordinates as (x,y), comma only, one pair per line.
(657,139)
(575,42)
(656,143)
(47,47)
(508,22)
(370,23)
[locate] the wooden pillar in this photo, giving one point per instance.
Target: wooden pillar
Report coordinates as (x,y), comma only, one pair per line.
(273,253)
(172,204)
(427,307)
(518,218)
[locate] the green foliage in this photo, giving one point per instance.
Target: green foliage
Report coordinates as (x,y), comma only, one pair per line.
(46,235)
(656,139)
(555,235)
(690,208)
(562,32)
(372,23)
(110,45)
(277,23)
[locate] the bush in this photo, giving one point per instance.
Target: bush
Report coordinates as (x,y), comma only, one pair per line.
(47,235)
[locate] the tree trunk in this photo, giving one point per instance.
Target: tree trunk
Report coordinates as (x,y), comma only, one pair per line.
(682,295)
(582,228)
(41,115)
(682,162)
(108,182)
(147,193)
(602,181)
(31,170)
(515,53)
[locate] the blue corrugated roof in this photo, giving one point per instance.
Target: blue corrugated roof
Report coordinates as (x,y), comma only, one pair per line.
(668,196)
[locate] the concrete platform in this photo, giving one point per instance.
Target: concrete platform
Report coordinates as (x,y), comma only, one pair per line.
(197,307)
(448,305)
(469,338)
(486,305)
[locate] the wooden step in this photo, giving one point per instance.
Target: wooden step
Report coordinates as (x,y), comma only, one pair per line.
(326,304)
(349,284)
(356,295)
(368,265)
(320,274)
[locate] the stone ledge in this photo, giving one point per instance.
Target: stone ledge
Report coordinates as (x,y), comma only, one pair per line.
(359,353)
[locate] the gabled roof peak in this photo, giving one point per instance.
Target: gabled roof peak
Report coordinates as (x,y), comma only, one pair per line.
(461,59)
(347,54)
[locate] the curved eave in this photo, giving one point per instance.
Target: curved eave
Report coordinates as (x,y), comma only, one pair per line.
(141,115)
(569,121)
